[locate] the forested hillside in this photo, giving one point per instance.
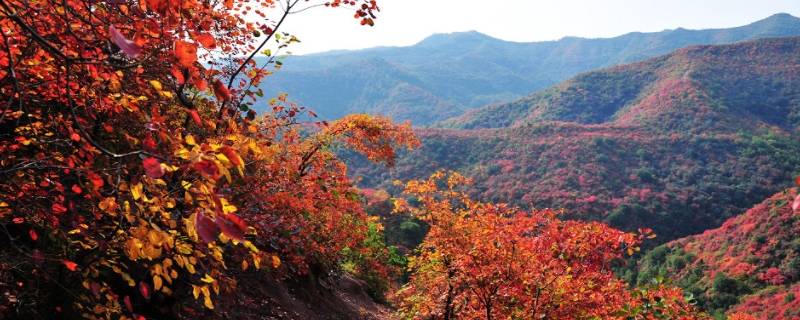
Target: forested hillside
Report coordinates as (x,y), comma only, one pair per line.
(448,74)
(678,143)
(751,264)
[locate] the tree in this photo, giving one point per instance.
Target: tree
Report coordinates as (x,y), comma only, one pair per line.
(137,181)
(492,261)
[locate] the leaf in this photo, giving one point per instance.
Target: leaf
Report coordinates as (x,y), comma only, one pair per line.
(157,282)
(276,262)
(207,168)
(32,233)
(186,53)
(58,208)
(128,304)
(153,168)
(71,266)
(231,155)
(128,47)
(796,203)
(96,180)
(75,137)
(195,117)
(206,40)
(232,226)
(155,84)
(206,228)
(144,289)
(220,91)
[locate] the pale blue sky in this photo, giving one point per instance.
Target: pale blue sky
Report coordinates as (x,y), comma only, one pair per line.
(405,22)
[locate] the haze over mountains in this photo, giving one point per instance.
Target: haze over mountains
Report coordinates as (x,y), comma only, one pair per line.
(446,75)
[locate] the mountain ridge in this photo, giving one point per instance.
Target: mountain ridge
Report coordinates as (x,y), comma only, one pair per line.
(477,69)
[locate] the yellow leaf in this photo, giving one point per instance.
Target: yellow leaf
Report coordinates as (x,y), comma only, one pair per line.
(157,282)
(136,191)
(195,291)
(190,140)
(276,262)
(207,303)
(207,279)
(155,84)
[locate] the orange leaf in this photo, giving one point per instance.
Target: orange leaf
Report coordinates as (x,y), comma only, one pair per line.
(186,53)
(206,40)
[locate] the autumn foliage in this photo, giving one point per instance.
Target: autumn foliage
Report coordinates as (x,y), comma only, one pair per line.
(490,261)
(135,179)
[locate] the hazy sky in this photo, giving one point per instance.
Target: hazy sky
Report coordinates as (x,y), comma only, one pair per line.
(405,22)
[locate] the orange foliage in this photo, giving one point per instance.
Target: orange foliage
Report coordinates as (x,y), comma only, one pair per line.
(130,187)
(492,261)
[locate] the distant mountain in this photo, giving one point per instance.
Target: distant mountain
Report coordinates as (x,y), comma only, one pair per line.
(678,143)
(751,264)
(448,74)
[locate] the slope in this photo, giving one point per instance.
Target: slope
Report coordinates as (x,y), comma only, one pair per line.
(460,71)
(677,143)
(751,264)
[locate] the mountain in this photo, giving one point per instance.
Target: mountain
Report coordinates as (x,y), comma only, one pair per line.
(751,264)
(448,74)
(678,143)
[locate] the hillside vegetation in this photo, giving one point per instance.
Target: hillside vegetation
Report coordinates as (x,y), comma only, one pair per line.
(751,264)
(678,143)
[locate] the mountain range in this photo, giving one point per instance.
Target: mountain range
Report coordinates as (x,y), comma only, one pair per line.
(447,75)
(678,143)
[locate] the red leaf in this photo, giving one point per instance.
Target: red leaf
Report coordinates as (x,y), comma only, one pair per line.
(231,155)
(96,179)
(232,226)
(207,168)
(18,220)
(32,233)
(220,91)
(206,40)
(77,189)
(152,167)
(128,303)
(179,78)
(71,266)
(186,53)
(206,229)
(796,203)
(196,117)
(128,47)
(144,289)
(75,137)
(58,208)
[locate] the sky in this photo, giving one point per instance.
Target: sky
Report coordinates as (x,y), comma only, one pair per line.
(406,22)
